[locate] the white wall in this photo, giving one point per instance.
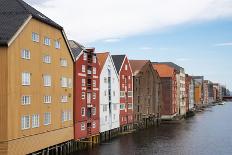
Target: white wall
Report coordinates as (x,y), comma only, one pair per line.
(113,118)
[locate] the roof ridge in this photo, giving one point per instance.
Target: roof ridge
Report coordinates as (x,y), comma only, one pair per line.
(20,3)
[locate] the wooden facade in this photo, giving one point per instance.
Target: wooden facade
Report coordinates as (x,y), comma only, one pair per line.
(147,95)
(13,139)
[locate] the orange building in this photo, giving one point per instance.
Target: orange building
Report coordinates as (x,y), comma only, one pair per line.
(198,93)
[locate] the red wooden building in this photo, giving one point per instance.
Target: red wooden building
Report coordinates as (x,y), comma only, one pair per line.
(86,92)
(123,68)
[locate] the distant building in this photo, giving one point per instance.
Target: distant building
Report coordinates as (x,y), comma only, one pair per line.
(198,89)
(189,87)
(86,88)
(124,71)
(147,92)
(36,94)
(218,89)
(208,92)
(180,79)
(169,90)
(109,94)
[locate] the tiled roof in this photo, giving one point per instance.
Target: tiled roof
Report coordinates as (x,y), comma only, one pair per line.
(76,48)
(164,70)
(171,64)
(137,65)
(118,60)
(13,13)
(102,59)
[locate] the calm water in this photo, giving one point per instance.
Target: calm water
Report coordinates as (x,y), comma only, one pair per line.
(207,133)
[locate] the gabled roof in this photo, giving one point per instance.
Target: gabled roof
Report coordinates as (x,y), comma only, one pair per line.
(102,59)
(137,65)
(171,64)
(76,48)
(13,14)
(118,61)
(164,70)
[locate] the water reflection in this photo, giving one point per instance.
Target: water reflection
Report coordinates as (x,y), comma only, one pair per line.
(207,133)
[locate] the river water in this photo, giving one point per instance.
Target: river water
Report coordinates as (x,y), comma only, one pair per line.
(207,133)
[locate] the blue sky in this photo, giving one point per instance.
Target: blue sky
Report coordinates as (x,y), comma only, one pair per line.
(195,34)
(198,47)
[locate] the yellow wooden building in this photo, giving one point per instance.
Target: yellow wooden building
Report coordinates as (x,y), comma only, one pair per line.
(36,88)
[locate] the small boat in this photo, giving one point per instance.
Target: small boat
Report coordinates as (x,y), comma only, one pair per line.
(221,103)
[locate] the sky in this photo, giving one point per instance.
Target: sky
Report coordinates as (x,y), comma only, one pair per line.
(195,34)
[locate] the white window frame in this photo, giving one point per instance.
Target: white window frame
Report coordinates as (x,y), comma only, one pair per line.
(64,99)
(35,121)
(105,107)
(122,94)
(82,126)
(47,99)
(47,59)
(83,68)
(83,82)
(47,41)
(64,82)
(122,106)
(25,122)
(70,82)
(47,118)
(130,93)
(35,37)
(63,62)
(47,80)
(94,95)
(57,44)
(26,99)
(26,78)
(26,54)
(94,83)
(130,106)
(94,124)
(82,111)
(82,95)
(94,110)
(94,70)
(126,67)
(64,116)
(94,59)
(85,55)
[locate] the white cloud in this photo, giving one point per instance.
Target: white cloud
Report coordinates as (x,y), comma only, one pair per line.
(91,20)
(111,40)
(145,48)
(224,44)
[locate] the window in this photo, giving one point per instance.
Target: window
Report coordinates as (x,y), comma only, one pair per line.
(47,41)
(47,59)
(129,77)
(64,82)
(130,93)
(25,122)
(64,99)
(94,70)
(122,106)
(69,115)
(105,93)
(47,99)
(83,95)
(130,106)
(123,76)
(82,126)
(105,79)
(26,79)
(94,59)
(25,54)
(126,67)
(94,83)
(63,62)
(64,116)
(94,95)
(122,94)
(113,93)
(83,111)
(129,86)
(35,121)
(83,68)
(94,110)
(83,82)
(47,80)
(94,124)
(69,82)
(26,100)
(104,108)
(57,44)
(47,118)
(35,37)
(84,56)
